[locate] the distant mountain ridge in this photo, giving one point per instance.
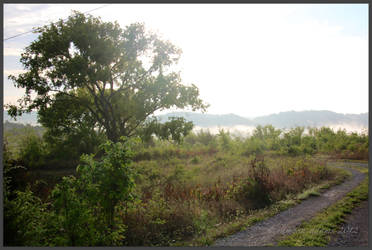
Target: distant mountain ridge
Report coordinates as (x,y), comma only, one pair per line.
(312,119)
(280,120)
(209,120)
(30,118)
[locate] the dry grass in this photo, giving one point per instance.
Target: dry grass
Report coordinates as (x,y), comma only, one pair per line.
(180,198)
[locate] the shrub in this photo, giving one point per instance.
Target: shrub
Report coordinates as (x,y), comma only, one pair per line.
(224,140)
(195,160)
(83,209)
(253,145)
(32,151)
(96,194)
(254,192)
(26,220)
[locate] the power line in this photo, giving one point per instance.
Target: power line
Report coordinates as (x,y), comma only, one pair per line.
(20,34)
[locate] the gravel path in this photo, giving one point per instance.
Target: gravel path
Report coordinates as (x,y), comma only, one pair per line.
(354,232)
(266,232)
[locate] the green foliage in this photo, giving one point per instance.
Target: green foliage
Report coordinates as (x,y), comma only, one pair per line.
(65,150)
(88,74)
(7,168)
(174,129)
(93,198)
(203,137)
(182,190)
(26,220)
(253,145)
(16,135)
(195,160)
(255,190)
(224,140)
(32,151)
(83,209)
(75,216)
(308,145)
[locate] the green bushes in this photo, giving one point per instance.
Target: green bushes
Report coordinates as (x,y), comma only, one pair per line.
(84,209)
(256,189)
(36,150)
(176,209)
(32,151)
(64,151)
(181,190)
(224,140)
(203,137)
(93,198)
(26,220)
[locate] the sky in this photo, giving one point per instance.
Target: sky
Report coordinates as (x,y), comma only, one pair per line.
(247,59)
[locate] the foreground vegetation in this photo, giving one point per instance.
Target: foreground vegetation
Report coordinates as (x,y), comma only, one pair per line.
(161,193)
(104,171)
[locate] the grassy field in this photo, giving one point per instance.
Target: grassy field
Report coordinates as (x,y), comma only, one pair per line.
(186,194)
(194,200)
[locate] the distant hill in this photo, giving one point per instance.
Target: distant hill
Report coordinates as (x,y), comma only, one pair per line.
(312,119)
(9,126)
(281,120)
(209,120)
(30,118)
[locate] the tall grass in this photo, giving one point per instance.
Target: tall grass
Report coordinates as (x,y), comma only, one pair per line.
(184,190)
(177,208)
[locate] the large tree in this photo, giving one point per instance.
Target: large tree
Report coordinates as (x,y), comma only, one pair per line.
(84,72)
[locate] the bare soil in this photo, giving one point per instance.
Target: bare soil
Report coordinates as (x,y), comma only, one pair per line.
(267,232)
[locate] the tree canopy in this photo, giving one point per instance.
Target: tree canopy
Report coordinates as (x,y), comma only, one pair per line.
(85,73)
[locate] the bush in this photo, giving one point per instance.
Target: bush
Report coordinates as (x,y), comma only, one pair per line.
(32,151)
(203,137)
(253,145)
(83,209)
(101,186)
(254,192)
(224,140)
(65,150)
(26,220)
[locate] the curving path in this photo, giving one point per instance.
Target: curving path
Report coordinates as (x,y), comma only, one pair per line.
(266,232)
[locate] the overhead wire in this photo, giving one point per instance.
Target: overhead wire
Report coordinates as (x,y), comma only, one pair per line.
(20,34)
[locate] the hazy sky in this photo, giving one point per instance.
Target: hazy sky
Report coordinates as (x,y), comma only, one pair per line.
(247,59)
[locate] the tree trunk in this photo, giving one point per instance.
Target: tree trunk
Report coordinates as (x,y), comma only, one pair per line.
(112,135)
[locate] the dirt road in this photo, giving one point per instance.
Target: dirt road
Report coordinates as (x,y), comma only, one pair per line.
(268,231)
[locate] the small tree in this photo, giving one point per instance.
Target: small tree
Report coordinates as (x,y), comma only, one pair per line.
(87,203)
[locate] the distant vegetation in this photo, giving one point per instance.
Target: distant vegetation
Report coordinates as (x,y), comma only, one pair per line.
(176,192)
(102,170)
(281,120)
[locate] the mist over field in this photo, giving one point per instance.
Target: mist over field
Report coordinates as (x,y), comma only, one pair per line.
(244,131)
(241,126)
(111,154)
